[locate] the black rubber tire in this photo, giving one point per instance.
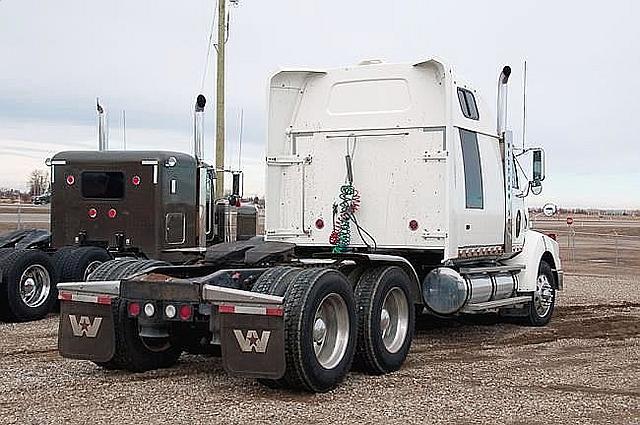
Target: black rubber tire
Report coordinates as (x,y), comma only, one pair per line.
(130,352)
(275,281)
(127,357)
(59,258)
(371,354)
(138,267)
(308,289)
(5,251)
(12,265)
(73,263)
(110,270)
(534,318)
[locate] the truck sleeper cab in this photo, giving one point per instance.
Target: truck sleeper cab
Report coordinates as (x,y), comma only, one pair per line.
(388,188)
(144,201)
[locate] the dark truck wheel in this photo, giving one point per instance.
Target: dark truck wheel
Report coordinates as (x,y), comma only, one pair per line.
(386,319)
(28,285)
(76,264)
(544,297)
(133,352)
(320,330)
(275,281)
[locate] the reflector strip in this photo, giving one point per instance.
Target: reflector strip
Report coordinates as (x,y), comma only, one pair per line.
(84,298)
(244,309)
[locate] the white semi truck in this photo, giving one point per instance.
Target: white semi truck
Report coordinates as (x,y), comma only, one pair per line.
(391,191)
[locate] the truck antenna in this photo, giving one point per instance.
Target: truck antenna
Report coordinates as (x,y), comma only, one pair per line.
(240,139)
(524,105)
(124,130)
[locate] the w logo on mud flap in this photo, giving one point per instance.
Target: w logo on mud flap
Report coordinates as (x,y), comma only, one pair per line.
(251,341)
(84,327)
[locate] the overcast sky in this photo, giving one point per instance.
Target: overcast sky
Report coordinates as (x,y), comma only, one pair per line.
(147,57)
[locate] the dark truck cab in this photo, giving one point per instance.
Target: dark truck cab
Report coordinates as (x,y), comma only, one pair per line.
(152,204)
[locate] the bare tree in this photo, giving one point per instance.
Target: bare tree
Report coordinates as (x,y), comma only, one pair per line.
(38,182)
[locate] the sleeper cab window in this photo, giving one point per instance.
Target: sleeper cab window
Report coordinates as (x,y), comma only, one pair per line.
(472,170)
(468,104)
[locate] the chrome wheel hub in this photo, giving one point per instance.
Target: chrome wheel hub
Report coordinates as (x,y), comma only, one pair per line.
(34,285)
(394,320)
(543,296)
(331,331)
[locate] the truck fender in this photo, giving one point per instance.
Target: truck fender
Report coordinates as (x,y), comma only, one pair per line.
(383,259)
(537,247)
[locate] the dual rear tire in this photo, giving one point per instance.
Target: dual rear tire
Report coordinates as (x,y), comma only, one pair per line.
(329,325)
(133,352)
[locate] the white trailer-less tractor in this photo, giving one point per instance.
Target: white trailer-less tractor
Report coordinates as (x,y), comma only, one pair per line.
(390,193)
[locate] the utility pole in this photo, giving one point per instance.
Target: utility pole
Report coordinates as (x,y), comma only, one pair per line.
(222,37)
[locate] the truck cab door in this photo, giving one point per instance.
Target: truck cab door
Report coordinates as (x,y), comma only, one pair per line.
(519,213)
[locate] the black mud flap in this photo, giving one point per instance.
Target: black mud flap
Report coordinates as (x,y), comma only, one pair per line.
(86,331)
(253,345)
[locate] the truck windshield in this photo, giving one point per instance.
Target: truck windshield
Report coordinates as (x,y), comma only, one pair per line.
(102,184)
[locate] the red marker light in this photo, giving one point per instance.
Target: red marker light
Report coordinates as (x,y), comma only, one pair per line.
(135,180)
(185,312)
(93,213)
(319,224)
(112,213)
(413,225)
(70,180)
(133,309)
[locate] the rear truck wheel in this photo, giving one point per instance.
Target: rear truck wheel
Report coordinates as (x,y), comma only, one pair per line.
(320,330)
(110,270)
(76,265)
(275,281)
(133,352)
(28,285)
(544,297)
(386,319)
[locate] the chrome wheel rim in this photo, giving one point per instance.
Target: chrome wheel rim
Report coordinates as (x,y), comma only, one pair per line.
(543,296)
(35,285)
(394,320)
(331,331)
(91,268)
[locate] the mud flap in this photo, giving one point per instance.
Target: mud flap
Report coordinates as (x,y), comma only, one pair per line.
(253,345)
(86,331)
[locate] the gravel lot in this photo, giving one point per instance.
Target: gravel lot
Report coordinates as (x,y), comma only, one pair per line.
(582,368)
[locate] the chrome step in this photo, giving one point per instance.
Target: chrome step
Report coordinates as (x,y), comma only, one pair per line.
(490,305)
(492,269)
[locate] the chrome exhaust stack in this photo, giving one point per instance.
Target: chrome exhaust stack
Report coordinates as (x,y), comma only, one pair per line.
(103,137)
(501,110)
(198,127)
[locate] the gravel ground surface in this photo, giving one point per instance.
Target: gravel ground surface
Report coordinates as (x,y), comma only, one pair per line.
(584,367)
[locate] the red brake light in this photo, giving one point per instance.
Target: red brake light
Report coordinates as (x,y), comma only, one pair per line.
(134,309)
(112,213)
(413,225)
(319,224)
(70,180)
(185,312)
(93,213)
(135,180)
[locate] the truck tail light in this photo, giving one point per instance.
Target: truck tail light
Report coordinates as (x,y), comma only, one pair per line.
(319,224)
(93,213)
(112,213)
(135,180)
(70,180)
(186,311)
(413,225)
(133,309)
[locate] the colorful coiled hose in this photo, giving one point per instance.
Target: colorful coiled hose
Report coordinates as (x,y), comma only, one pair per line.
(349,204)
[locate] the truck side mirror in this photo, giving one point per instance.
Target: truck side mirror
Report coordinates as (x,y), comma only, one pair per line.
(236,185)
(538,167)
